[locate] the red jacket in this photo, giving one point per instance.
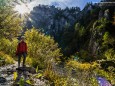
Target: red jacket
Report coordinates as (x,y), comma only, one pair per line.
(21,48)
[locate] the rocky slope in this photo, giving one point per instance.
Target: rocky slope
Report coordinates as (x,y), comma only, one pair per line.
(7,75)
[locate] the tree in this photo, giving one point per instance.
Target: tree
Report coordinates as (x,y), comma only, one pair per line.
(9,28)
(9,23)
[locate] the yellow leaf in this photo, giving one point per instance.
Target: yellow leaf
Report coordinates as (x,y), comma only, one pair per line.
(28,81)
(15,75)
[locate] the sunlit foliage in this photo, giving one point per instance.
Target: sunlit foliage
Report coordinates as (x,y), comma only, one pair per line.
(42,49)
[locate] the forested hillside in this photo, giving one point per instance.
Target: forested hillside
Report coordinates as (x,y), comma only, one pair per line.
(72,28)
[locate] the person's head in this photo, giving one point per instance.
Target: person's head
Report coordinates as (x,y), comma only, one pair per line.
(22,38)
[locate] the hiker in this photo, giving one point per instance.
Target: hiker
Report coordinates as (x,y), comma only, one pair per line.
(21,51)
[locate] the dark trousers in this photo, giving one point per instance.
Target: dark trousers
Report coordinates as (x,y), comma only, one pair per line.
(19,59)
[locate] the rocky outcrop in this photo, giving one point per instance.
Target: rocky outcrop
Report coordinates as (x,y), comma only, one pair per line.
(96,38)
(52,20)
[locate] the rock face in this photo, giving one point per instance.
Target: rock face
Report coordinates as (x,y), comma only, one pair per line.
(52,20)
(96,39)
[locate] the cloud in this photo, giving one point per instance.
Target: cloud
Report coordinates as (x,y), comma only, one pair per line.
(61,3)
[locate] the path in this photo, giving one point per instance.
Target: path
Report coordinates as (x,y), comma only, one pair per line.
(7,76)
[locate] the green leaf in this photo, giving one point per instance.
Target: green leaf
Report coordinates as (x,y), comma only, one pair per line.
(39,75)
(29,82)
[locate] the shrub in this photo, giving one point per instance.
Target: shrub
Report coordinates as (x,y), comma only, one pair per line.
(55,79)
(8,59)
(8,46)
(86,73)
(83,73)
(110,54)
(42,49)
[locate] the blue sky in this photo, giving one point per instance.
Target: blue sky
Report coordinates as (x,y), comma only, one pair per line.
(63,3)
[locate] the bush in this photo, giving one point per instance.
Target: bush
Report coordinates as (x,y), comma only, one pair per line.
(8,59)
(86,73)
(83,73)
(8,46)
(110,54)
(42,49)
(55,79)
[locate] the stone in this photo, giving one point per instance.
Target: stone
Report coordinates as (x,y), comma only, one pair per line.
(2,80)
(29,69)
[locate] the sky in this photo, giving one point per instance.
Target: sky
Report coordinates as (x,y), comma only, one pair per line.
(62,3)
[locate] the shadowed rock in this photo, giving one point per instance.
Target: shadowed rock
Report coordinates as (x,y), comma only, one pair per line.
(2,80)
(106,64)
(29,69)
(2,62)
